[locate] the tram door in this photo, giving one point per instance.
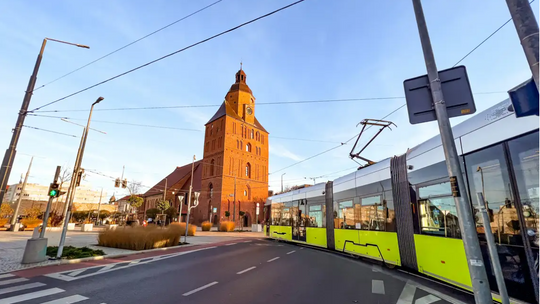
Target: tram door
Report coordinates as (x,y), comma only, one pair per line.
(507,174)
(299,220)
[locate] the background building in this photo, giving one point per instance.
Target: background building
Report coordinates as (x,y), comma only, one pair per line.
(37,192)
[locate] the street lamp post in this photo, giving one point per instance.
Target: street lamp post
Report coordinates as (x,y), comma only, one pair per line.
(9,156)
(73,184)
(282,182)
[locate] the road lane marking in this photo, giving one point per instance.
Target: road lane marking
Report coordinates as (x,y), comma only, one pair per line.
(11,281)
(376,268)
(7,275)
(291,252)
(377,286)
(231,244)
(427,299)
(64,275)
(407,295)
(272,259)
(76,272)
(247,241)
(20,287)
(301,248)
(67,300)
(30,296)
(435,292)
(198,289)
(246,270)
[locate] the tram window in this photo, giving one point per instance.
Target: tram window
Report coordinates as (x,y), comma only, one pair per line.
(487,172)
(276,214)
(438,216)
(435,190)
(315,216)
(372,213)
(346,215)
(286,217)
(524,154)
(388,202)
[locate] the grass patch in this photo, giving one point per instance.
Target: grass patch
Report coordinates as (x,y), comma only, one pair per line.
(71,252)
(141,238)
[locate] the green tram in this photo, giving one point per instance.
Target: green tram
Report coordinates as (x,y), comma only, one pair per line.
(401,211)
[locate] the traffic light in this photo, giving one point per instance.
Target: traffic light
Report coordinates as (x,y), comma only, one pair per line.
(79,177)
(124,183)
(54,190)
(117,183)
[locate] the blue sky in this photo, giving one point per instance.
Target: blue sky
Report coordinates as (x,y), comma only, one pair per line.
(312,51)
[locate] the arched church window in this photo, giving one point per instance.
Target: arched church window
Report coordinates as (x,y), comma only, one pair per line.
(248,170)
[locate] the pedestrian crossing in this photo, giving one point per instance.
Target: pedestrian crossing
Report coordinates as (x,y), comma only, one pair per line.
(21,290)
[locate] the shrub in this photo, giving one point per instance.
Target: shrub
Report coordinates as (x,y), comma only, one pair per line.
(226,226)
(3,221)
(71,252)
(206,226)
(140,238)
(152,213)
(31,222)
(182,228)
(6,210)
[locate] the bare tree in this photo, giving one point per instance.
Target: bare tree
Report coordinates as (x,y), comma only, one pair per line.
(134,187)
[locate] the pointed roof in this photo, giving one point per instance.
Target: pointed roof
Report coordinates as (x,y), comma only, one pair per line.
(225,109)
(177,175)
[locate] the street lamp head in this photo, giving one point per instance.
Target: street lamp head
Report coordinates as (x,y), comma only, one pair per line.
(98,100)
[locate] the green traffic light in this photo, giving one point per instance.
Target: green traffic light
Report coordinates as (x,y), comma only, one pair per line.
(53,192)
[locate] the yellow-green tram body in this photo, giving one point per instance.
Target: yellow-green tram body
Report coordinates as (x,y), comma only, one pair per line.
(401,211)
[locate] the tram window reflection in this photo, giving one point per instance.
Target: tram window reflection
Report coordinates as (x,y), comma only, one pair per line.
(277,210)
(345,218)
(488,173)
(390,213)
(438,216)
(372,213)
(315,216)
(524,154)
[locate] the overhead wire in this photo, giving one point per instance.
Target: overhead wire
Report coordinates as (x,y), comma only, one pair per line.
(169,55)
(129,44)
(50,131)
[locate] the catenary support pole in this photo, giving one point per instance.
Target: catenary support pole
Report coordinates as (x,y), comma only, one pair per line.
(19,201)
(477,271)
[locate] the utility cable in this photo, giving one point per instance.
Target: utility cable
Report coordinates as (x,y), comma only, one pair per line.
(168,55)
(129,44)
(50,131)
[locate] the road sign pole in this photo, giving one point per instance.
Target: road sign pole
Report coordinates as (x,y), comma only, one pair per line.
(527,30)
(48,210)
(477,271)
(19,201)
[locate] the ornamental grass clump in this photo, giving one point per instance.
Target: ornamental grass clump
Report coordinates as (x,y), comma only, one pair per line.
(206,226)
(226,226)
(141,238)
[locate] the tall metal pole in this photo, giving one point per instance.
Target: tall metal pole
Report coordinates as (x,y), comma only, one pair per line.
(282,182)
(49,203)
(16,212)
(74,181)
(11,151)
(189,198)
(495,263)
(477,271)
(99,207)
(527,30)
(165,190)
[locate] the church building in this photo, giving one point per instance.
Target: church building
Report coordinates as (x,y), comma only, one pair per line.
(235,163)
(232,177)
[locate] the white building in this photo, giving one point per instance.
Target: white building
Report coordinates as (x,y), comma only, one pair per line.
(37,192)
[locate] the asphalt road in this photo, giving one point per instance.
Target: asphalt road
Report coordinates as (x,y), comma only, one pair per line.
(257,271)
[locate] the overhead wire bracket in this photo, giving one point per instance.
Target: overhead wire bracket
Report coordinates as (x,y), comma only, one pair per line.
(371,122)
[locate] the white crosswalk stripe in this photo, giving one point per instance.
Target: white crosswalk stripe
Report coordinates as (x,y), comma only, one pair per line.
(19,290)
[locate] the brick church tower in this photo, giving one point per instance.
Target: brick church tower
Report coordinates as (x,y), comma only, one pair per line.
(235,163)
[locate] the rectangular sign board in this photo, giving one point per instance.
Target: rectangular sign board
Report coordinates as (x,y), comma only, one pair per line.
(456,91)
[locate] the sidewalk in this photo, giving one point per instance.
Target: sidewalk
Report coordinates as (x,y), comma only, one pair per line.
(12,245)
